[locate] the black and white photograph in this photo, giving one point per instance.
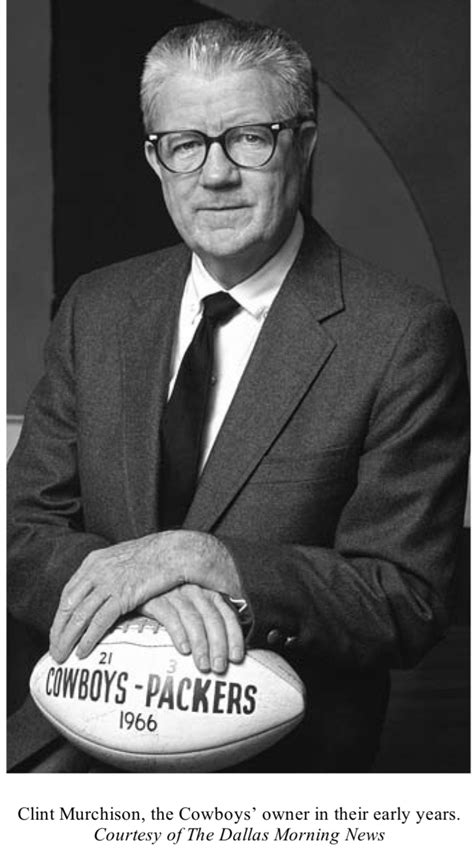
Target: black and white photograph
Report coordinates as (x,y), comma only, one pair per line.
(237,388)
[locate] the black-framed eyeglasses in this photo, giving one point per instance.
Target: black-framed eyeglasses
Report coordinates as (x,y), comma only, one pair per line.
(250,146)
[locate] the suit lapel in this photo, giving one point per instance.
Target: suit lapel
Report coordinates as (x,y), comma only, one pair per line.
(290,352)
(146,336)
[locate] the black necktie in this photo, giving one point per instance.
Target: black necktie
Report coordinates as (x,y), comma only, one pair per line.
(184,417)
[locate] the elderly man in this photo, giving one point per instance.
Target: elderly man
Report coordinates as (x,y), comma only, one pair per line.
(253,437)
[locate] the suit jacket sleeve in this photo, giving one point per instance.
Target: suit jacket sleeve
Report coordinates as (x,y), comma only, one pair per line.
(376,598)
(47,541)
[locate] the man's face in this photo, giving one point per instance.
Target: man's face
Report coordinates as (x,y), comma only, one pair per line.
(234,218)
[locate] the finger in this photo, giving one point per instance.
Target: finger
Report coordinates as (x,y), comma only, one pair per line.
(214,625)
(194,626)
(102,621)
(235,636)
(163,611)
(83,579)
(68,603)
(206,603)
(68,629)
(76,590)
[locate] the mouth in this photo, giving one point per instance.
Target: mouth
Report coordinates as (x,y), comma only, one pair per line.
(221,207)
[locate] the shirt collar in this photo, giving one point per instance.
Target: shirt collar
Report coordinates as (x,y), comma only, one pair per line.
(256,293)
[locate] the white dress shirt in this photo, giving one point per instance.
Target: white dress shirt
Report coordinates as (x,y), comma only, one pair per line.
(236,339)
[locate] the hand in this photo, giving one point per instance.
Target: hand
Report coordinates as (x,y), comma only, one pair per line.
(114,581)
(199,621)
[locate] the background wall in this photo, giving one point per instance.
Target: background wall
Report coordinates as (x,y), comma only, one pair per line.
(29,186)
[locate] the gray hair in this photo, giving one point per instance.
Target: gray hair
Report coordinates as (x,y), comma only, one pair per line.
(211,46)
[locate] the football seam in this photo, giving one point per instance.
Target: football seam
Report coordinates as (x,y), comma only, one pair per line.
(129,641)
(291,678)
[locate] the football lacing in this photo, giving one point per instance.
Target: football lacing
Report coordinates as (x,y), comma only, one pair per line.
(140,623)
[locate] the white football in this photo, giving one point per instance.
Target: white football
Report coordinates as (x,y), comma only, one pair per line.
(135,702)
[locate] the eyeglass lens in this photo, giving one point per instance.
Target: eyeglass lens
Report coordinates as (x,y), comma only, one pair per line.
(184,151)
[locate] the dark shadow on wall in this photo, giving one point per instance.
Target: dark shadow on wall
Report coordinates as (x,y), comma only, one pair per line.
(361,199)
(29,189)
(107,203)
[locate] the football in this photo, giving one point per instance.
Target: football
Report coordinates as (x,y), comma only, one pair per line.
(138,704)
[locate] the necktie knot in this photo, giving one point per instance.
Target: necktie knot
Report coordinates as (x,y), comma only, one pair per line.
(219,307)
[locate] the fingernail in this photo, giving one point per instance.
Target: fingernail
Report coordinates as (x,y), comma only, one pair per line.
(236,654)
(203,664)
(219,664)
(185,647)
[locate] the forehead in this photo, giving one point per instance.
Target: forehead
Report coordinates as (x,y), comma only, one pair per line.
(188,99)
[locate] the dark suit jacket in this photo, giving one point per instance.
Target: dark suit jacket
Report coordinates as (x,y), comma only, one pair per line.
(337,481)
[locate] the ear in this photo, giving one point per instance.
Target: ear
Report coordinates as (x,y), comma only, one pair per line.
(152,159)
(308,135)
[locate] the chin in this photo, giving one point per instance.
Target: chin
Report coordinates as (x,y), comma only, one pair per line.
(225,243)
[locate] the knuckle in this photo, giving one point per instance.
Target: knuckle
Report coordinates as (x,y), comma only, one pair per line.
(71,582)
(110,610)
(177,596)
(193,588)
(172,621)
(85,565)
(151,609)
(66,592)
(103,590)
(79,618)
(96,623)
(96,629)
(216,598)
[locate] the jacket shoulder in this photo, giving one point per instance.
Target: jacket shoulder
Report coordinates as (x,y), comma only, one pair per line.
(363,289)
(388,313)
(138,278)
(375,290)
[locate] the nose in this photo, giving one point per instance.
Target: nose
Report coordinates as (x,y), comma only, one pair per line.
(218,170)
